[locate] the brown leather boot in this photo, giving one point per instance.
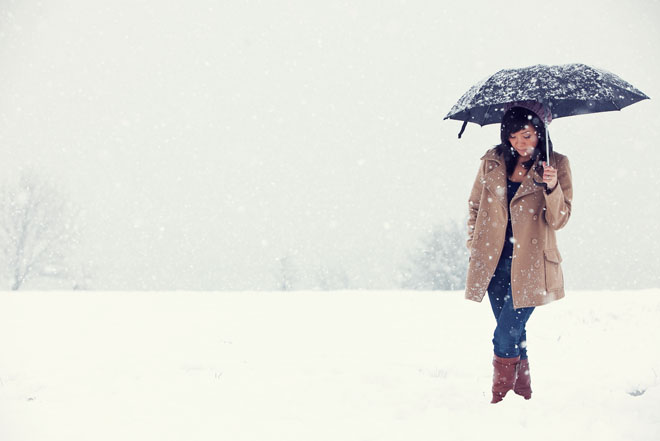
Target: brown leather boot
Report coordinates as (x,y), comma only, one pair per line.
(523,383)
(504,376)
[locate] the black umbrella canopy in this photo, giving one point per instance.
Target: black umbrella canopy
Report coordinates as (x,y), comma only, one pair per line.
(567,90)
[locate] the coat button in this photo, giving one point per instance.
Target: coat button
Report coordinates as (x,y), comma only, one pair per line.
(535,217)
(534,241)
(537,264)
(484,214)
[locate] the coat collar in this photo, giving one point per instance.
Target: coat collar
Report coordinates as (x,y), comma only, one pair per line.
(496,179)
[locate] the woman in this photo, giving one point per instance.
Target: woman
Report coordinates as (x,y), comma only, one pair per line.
(518,201)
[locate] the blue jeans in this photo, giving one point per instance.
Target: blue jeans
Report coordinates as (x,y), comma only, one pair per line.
(509,338)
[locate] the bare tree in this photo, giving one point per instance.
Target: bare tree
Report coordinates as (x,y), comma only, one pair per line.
(286,273)
(440,262)
(37,230)
(332,277)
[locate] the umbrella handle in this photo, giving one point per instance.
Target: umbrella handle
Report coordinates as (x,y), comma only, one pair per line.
(547,152)
(547,140)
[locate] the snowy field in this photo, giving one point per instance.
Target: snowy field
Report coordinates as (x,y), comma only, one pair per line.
(318,366)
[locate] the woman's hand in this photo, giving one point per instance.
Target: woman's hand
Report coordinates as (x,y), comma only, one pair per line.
(549,176)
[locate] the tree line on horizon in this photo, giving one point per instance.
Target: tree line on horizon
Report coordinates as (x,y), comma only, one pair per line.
(40,232)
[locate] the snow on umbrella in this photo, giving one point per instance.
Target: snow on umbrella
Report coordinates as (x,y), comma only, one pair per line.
(566,90)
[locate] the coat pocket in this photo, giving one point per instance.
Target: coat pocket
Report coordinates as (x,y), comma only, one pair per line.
(554,278)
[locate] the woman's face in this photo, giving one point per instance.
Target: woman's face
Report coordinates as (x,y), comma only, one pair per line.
(524,141)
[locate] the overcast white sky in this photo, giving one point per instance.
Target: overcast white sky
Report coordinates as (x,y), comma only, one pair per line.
(206,139)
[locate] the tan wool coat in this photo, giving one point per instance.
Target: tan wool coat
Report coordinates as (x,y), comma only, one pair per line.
(536,275)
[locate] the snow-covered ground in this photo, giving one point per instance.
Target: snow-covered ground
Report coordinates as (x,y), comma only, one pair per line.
(320,366)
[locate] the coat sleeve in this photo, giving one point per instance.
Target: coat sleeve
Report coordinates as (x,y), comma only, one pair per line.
(473,203)
(558,201)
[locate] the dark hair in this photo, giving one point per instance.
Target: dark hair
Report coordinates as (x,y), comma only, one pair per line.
(514,120)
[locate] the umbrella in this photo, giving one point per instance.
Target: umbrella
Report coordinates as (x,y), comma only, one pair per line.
(566,90)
